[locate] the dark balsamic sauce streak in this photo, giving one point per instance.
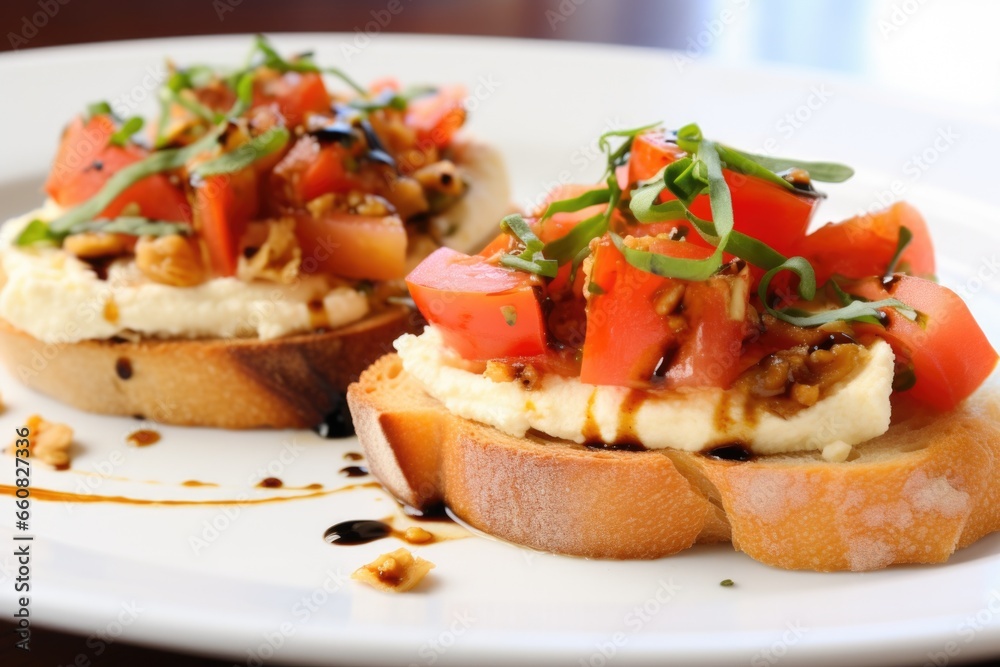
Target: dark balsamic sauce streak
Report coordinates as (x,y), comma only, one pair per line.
(891,282)
(353,456)
(270,483)
(337,131)
(337,423)
(123,367)
(679,233)
(354,471)
(617,447)
(100,265)
(805,186)
(349,533)
(731,452)
(436,513)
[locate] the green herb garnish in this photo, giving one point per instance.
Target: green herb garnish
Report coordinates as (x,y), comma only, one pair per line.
(391,100)
(905,237)
(125,132)
(160,161)
(258,147)
(133,225)
(727,583)
(97,109)
(264,54)
(857,309)
(532,259)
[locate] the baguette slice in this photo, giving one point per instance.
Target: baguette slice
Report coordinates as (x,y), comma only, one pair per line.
(291,382)
(913,495)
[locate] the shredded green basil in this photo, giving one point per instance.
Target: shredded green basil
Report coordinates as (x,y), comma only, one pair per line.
(125,132)
(133,226)
(391,100)
(854,309)
(101,108)
(905,238)
(589,198)
(825,172)
(669,267)
(532,259)
(160,161)
(269,57)
(258,147)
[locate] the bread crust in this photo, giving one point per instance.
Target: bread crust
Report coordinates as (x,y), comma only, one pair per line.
(291,382)
(913,495)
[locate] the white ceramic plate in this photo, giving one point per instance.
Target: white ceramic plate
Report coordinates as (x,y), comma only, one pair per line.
(262,584)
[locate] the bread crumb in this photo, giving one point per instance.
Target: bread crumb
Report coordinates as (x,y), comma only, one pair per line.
(49,442)
(395,572)
(837,452)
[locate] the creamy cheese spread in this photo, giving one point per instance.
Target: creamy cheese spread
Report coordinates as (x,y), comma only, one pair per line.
(853,411)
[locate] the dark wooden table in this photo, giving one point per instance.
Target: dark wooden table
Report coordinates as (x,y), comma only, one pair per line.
(659,23)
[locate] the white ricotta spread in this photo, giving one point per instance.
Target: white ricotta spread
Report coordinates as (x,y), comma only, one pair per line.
(853,411)
(57,298)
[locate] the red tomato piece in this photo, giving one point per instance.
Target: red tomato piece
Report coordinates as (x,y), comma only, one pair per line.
(651,152)
(626,335)
(763,210)
(224,206)
(297,94)
(558,225)
(353,246)
(437,117)
(948,351)
(716,311)
(86,160)
(309,170)
(483,311)
(863,246)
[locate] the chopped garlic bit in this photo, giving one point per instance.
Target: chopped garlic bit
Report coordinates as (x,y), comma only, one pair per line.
(837,452)
(395,572)
(49,442)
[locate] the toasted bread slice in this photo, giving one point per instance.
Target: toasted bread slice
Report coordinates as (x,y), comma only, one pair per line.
(913,495)
(292,382)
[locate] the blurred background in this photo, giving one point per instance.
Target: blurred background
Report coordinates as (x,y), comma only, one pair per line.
(945,52)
